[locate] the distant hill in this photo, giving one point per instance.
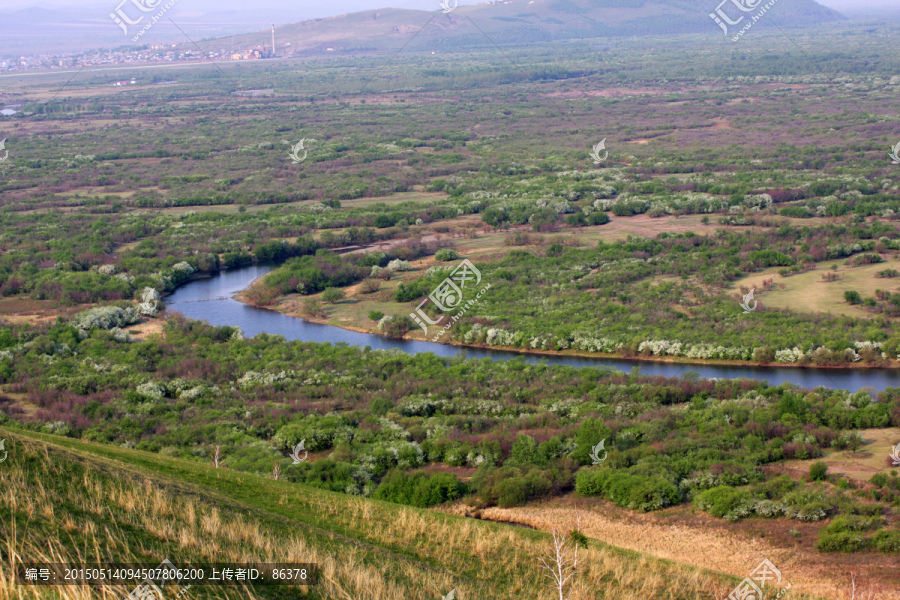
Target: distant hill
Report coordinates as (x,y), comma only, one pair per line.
(516,22)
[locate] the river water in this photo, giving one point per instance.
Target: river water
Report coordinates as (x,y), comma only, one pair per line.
(211,300)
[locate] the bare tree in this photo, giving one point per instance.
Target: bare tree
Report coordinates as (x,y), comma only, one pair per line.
(859,591)
(562,563)
(276,471)
(217,456)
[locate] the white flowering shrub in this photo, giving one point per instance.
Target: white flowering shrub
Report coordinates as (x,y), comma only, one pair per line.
(192,393)
(661,347)
(757,201)
(152,390)
(789,355)
(149,304)
(584,341)
(399,265)
(253,378)
(183,268)
(107,269)
(317,208)
(120,335)
(106,317)
(564,408)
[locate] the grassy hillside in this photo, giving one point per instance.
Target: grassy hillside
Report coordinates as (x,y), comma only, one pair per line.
(69,501)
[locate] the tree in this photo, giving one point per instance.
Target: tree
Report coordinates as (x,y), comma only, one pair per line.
(854,441)
(398,326)
(852,297)
(860,591)
(333,295)
(445,254)
(369,286)
(217,456)
(818,471)
(524,451)
(312,308)
(562,563)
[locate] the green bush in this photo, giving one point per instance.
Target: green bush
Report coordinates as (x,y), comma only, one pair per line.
(332,295)
(852,297)
(598,218)
(590,481)
(419,489)
(375,315)
(398,326)
(511,486)
(445,254)
(841,541)
(887,540)
(818,471)
(853,523)
(637,492)
(720,500)
(512,492)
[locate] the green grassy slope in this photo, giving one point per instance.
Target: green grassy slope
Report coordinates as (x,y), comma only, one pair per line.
(65,500)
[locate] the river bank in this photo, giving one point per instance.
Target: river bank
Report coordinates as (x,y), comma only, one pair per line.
(215,300)
(675,360)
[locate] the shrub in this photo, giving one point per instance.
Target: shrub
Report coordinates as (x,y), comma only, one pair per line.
(512,492)
(106,317)
(312,308)
(397,327)
(381,406)
(419,489)
(369,286)
(375,315)
(445,254)
(842,541)
(818,471)
(399,265)
(637,492)
(887,540)
(845,523)
(598,218)
(719,501)
(852,297)
(590,482)
(333,295)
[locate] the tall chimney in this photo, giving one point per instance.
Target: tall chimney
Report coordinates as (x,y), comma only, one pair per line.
(273,40)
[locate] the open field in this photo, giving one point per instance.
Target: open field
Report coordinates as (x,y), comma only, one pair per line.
(869,459)
(808,292)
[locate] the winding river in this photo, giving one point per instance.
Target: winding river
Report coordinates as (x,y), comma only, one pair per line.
(211,300)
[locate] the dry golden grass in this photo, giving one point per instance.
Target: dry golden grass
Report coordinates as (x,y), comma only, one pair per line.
(146,328)
(720,551)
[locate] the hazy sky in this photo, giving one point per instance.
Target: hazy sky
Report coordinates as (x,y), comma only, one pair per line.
(312,8)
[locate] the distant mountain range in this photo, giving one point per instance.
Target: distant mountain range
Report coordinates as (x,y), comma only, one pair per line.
(498,22)
(523,21)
